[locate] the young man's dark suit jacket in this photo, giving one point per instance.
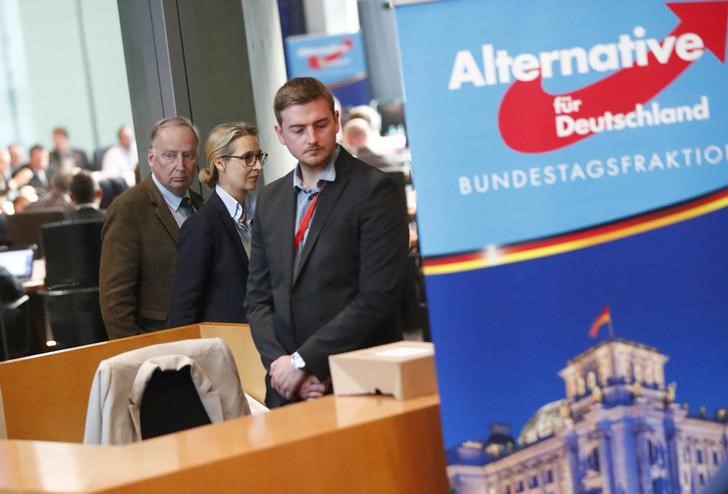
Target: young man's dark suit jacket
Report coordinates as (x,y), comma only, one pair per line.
(138,259)
(212,269)
(345,293)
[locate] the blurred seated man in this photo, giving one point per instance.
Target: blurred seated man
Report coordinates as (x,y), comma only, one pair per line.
(35,172)
(361,139)
(17,155)
(57,196)
(369,114)
(355,134)
(121,159)
(5,171)
(63,158)
(86,197)
(394,144)
(26,196)
(10,184)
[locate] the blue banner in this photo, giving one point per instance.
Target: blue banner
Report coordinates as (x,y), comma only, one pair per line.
(461,79)
(336,60)
(571,166)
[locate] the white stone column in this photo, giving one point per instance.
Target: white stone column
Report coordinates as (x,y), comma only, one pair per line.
(643,457)
(626,477)
(673,454)
(606,456)
(265,51)
(572,461)
(557,467)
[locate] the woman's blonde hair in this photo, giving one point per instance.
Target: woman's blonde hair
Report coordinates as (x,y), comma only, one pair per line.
(219,143)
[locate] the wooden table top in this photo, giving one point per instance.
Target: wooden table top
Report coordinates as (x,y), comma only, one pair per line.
(35,466)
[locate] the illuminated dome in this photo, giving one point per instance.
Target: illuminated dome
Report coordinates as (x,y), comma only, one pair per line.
(500,442)
(544,423)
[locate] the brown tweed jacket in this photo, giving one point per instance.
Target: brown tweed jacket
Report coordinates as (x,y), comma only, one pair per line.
(138,259)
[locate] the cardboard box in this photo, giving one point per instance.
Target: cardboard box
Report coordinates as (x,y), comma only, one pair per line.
(405,369)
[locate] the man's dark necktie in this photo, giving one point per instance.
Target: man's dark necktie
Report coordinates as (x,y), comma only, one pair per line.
(186,207)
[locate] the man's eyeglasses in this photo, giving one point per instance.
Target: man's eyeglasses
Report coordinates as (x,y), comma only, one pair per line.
(250,159)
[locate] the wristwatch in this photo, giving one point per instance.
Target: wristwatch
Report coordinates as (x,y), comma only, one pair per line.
(297,361)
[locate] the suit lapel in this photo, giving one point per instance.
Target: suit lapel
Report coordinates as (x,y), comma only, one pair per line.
(161,210)
(287,211)
(329,197)
(229,223)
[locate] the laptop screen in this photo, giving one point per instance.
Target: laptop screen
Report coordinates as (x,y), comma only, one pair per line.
(19,262)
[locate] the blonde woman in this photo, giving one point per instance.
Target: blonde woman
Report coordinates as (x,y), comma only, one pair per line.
(214,244)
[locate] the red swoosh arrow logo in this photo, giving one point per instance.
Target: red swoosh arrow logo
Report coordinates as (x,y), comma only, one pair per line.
(319,62)
(526,115)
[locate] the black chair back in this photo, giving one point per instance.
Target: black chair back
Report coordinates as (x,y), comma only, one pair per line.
(74,316)
(73,253)
(24,228)
(98,160)
(15,333)
(111,188)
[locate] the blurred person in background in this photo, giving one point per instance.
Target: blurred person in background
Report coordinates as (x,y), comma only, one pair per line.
(121,159)
(35,172)
(57,196)
(26,196)
(214,245)
(86,197)
(10,182)
(361,137)
(5,171)
(63,158)
(17,155)
(5,177)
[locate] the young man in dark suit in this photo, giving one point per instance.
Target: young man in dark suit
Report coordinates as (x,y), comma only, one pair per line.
(139,237)
(329,251)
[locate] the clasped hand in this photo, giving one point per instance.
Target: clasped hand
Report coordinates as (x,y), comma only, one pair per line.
(292,383)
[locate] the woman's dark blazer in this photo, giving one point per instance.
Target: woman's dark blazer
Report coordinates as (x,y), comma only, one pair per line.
(212,269)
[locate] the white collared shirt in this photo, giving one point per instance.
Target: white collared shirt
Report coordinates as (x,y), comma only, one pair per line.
(173,201)
(304,198)
(234,208)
